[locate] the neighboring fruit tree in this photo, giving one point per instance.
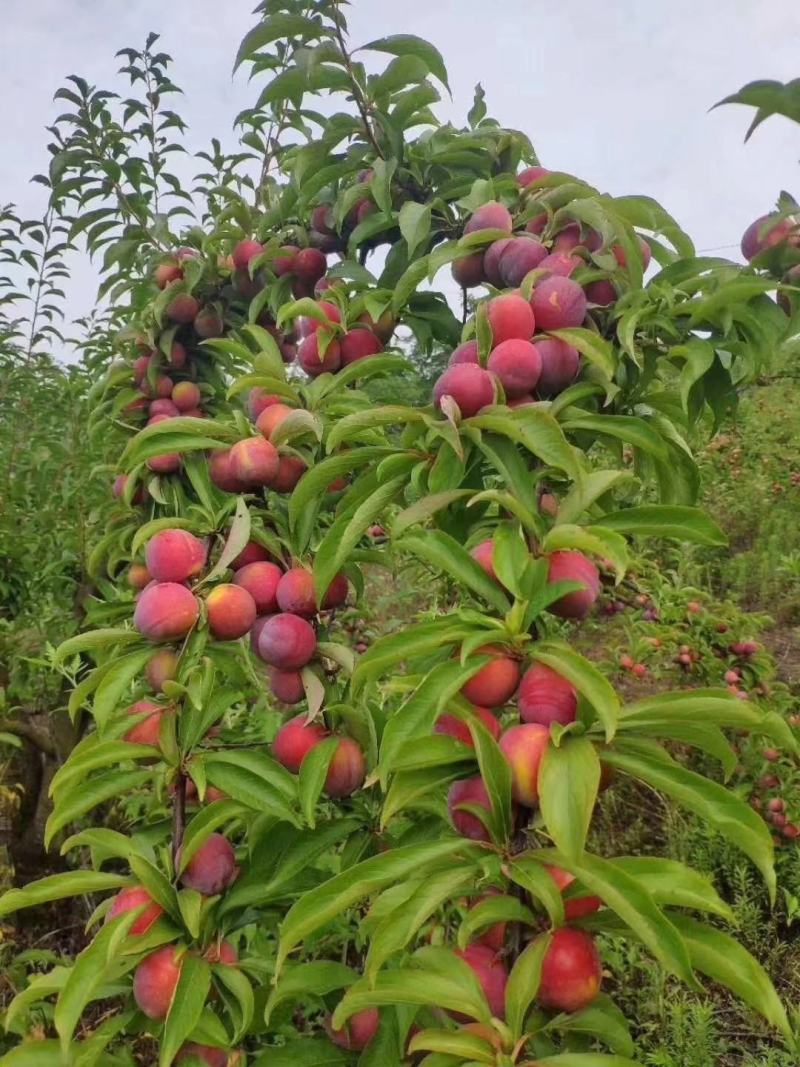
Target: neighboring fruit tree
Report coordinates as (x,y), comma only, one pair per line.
(401,877)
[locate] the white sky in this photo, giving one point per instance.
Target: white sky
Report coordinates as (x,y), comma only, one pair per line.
(616,91)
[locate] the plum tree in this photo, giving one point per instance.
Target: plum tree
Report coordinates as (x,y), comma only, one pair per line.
(250,399)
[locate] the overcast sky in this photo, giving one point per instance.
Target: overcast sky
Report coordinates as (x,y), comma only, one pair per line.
(617,92)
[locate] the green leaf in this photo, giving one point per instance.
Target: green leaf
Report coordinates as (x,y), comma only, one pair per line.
(414,720)
(34,1054)
(87,976)
(316,978)
(586,678)
(531,875)
(305,1052)
(237,984)
(115,683)
(666,520)
(424,508)
(319,906)
(255,780)
(415,225)
(537,430)
(417,640)
(313,772)
(59,887)
(70,806)
(674,884)
(724,960)
(271,29)
(353,425)
(583,1059)
(466,1047)
(596,484)
(406,44)
(413,986)
(523,983)
(186,1007)
(238,537)
(594,540)
(726,812)
(93,640)
(346,531)
(316,480)
(496,775)
(628,428)
(398,928)
(569,777)
(594,348)
(634,905)
(101,754)
(446,554)
(602,1019)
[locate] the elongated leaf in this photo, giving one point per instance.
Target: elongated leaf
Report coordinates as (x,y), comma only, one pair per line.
(537,430)
(631,901)
(352,425)
(407,44)
(79,800)
(721,808)
(602,1019)
(674,884)
(413,986)
(586,678)
(347,531)
(102,754)
(319,906)
(529,873)
(594,348)
(445,553)
(59,887)
(723,959)
(581,497)
(594,540)
(569,777)
(523,983)
(94,639)
(424,508)
(414,719)
(186,1007)
(316,978)
(418,640)
(666,520)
